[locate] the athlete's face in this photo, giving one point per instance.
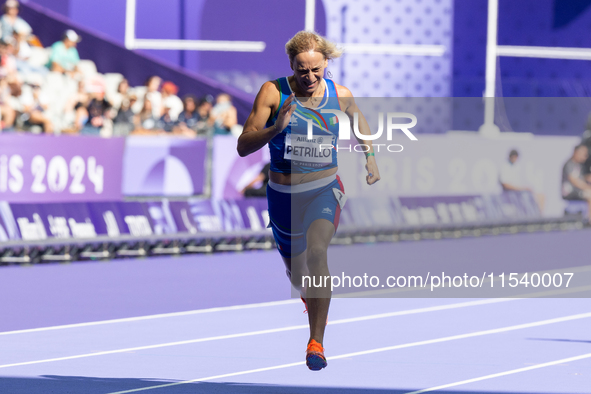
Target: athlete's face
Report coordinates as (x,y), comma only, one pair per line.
(308,70)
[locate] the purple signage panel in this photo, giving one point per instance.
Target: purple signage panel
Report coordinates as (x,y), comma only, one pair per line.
(107,219)
(255,213)
(164,166)
(136,218)
(161,217)
(8,227)
(42,168)
(208,216)
(232,173)
(41,221)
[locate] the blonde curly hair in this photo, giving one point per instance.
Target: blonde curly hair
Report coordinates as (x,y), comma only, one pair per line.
(305,41)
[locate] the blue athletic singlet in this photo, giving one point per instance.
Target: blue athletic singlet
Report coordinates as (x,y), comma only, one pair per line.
(291,150)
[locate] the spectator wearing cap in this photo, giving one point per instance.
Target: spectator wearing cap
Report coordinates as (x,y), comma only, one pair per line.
(64,56)
(170,99)
(11,22)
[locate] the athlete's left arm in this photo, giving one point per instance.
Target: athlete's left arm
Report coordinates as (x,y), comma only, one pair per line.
(347,102)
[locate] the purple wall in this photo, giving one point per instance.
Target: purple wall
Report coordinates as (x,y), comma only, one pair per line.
(201,19)
(59,6)
(247,21)
(525,22)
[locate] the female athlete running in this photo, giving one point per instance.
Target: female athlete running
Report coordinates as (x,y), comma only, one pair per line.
(304,194)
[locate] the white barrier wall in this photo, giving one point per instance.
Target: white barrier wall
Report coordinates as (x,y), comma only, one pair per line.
(462,164)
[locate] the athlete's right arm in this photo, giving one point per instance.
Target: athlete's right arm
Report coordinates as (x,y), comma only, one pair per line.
(254,135)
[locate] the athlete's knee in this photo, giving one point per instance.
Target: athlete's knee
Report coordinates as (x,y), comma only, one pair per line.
(316,254)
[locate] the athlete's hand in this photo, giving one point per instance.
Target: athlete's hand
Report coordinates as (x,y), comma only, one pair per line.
(373,174)
(285,113)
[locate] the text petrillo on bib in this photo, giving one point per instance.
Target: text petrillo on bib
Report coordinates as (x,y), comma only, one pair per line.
(303,151)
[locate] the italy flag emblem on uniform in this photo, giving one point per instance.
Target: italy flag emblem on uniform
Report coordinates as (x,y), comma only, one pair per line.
(333,121)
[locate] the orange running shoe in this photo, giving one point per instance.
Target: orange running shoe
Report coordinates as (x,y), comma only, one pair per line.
(315,359)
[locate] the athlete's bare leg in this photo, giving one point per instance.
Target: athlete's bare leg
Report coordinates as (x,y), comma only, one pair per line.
(298,268)
(318,238)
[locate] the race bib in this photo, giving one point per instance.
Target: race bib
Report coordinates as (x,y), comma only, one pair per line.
(315,152)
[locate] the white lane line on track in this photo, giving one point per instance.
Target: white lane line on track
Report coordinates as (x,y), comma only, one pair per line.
(158,316)
(511,372)
(383,349)
(269,331)
(258,305)
(298,327)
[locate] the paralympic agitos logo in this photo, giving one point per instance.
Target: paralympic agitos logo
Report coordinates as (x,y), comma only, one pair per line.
(345,130)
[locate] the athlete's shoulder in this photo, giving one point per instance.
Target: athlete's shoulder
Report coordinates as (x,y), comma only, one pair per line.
(342,91)
(269,94)
(270,87)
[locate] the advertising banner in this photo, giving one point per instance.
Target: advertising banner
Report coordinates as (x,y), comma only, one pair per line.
(45,168)
(232,173)
(164,166)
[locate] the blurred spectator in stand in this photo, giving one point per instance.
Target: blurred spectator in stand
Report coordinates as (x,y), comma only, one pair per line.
(23,49)
(77,104)
(171,100)
(34,104)
(574,186)
(145,121)
(204,126)
(99,110)
(11,22)
(223,115)
(188,118)
(7,113)
(153,95)
(258,186)
(64,56)
(511,178)
(165,122)
(8,60)
(123,124)
(121,95)
(586,140)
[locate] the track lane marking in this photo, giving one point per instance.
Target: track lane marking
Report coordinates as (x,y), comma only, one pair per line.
(268,331)
(384,349)
(511,372)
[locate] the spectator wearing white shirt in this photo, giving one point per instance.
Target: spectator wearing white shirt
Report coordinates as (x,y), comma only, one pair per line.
(153,95)
(170,100)
(34,104)
(511,173)
(511,178)
(11,22)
